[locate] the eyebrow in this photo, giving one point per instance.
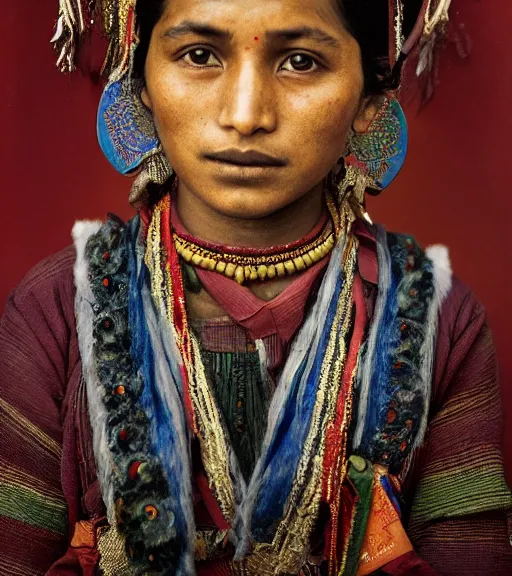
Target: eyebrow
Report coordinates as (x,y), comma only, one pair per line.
(200,29)
(307,32)
(189,27)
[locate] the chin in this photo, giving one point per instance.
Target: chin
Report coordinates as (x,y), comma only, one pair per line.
(248,205)
(246,194)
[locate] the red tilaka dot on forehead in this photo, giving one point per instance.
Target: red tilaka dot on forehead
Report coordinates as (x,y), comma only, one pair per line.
(256,38)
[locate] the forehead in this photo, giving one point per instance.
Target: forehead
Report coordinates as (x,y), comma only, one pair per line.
(242,14)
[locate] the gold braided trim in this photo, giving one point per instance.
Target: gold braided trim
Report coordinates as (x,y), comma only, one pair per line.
(264,565)
(289,549)
(213,438)
(244,268)
(112,549)
(161,285)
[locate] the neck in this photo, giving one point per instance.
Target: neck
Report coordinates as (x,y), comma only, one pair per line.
(286,225)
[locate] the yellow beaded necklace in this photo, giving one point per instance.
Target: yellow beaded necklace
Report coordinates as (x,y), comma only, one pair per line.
(257,265)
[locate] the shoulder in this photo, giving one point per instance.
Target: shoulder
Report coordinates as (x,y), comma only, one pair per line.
(457,304)
(45,298)
(49,283)
(460,309)
(464,341)
(461,352)
(461,317)
(53,280)
(48,290)
(37,329)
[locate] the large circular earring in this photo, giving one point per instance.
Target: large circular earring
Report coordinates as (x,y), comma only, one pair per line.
(374,157)
(128,137)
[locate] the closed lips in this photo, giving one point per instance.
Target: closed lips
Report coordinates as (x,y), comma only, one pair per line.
(248,158)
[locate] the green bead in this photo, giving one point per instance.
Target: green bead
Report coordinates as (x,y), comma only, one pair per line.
(191,280)
(358,463)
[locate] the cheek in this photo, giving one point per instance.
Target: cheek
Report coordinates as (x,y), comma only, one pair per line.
(169,109)
(322,123)
(174,111)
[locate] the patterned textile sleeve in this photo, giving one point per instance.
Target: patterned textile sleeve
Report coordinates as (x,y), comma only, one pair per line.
(35,360)
(458,520)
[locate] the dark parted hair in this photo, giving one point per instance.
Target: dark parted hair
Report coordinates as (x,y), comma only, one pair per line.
(367,21)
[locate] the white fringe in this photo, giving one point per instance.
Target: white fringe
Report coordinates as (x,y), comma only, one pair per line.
(84,302)
(166,356)
(384,260)
(263,356)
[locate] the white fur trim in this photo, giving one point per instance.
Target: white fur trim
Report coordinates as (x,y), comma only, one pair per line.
(263,356)
(81,232)
(440,257)
(84,302)
(442,271)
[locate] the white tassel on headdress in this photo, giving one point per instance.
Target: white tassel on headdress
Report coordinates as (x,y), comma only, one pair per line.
(118,18)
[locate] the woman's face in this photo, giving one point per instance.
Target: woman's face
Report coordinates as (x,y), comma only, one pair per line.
(228,80)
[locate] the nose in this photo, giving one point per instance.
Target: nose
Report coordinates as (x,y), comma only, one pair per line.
(248,104)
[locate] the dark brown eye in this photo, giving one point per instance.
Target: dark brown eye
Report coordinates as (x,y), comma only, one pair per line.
(201,57)
(300,63)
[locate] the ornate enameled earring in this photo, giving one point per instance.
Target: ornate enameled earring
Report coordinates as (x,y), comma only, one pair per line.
(376,156)
(127,135)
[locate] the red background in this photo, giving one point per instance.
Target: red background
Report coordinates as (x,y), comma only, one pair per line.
(455,187)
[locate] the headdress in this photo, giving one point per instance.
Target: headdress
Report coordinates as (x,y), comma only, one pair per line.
(116,20)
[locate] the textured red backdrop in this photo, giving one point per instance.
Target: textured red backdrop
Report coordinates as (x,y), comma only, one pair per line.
(454,189)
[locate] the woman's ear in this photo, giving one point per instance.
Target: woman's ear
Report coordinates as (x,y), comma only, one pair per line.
(369,108)
(146,100)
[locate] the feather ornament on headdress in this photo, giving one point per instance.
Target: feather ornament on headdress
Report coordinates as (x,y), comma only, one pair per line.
(117,21)
(71,25)
(435,22)
(428,31)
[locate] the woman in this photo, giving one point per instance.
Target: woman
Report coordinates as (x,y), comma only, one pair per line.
(249,377)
